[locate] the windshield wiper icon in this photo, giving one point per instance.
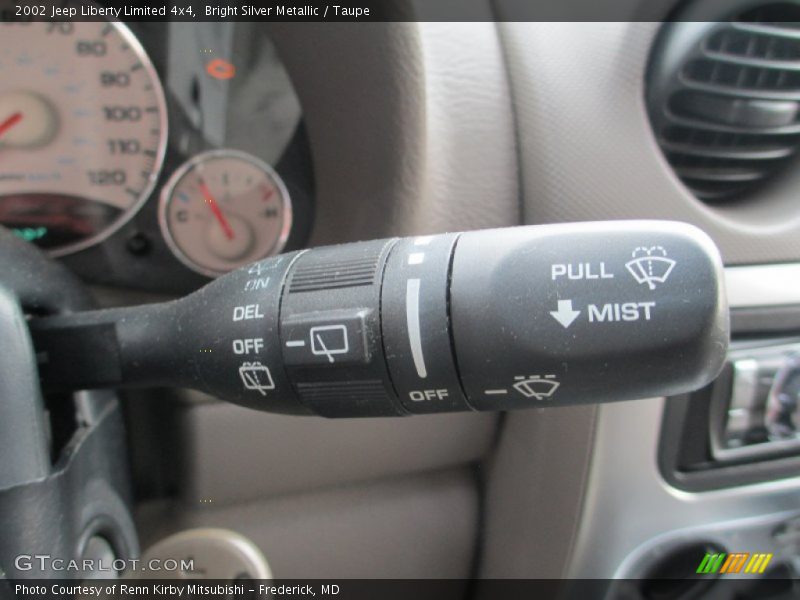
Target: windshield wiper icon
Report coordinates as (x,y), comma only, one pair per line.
(537,387)
(650,265)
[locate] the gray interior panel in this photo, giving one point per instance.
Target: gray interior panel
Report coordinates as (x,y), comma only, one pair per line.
(535,492)
(424,526)
(587,151)
(410,126)
(232,455)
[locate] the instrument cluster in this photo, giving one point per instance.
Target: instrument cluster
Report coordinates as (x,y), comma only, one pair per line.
(153,157)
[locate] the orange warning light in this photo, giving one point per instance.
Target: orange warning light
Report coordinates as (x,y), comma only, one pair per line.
(220,69)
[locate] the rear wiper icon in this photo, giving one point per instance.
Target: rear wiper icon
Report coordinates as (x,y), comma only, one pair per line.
(650,265)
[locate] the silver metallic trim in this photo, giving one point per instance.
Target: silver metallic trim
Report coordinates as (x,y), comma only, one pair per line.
(137,48)
(169,188)
(627,503)
(763,285)
(720,407)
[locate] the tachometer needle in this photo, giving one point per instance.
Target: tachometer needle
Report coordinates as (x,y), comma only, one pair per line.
(212,203)
(10,122)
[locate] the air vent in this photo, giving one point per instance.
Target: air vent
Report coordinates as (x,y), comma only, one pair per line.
(724,94)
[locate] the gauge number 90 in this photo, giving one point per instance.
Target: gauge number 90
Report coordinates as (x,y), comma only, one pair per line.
(83,131)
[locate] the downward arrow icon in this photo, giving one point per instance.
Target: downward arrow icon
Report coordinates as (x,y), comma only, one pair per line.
(565,315)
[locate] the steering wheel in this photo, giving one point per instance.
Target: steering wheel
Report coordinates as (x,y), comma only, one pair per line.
(65,491)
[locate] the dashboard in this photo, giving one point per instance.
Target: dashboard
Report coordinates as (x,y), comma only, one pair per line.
(168,153)
(164,153)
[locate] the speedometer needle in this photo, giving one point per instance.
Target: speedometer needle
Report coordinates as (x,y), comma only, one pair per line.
(212,203)
(10,122)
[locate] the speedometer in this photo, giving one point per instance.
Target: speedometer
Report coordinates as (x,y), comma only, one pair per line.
(82,131)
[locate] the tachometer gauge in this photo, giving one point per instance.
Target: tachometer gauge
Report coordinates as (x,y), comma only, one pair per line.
(224,209)
(82,131)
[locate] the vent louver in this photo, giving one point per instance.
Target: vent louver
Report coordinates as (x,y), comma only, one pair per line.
(724,96)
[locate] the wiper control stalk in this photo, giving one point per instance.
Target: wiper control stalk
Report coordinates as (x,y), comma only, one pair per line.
(531,316)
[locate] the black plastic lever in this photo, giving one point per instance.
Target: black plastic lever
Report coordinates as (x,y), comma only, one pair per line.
(488,320)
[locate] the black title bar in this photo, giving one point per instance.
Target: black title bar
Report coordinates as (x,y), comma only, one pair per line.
(353,11)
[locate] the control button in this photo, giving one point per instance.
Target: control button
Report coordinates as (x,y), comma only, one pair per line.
(532,311)
(416,325)
(332,338)
(330,331)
